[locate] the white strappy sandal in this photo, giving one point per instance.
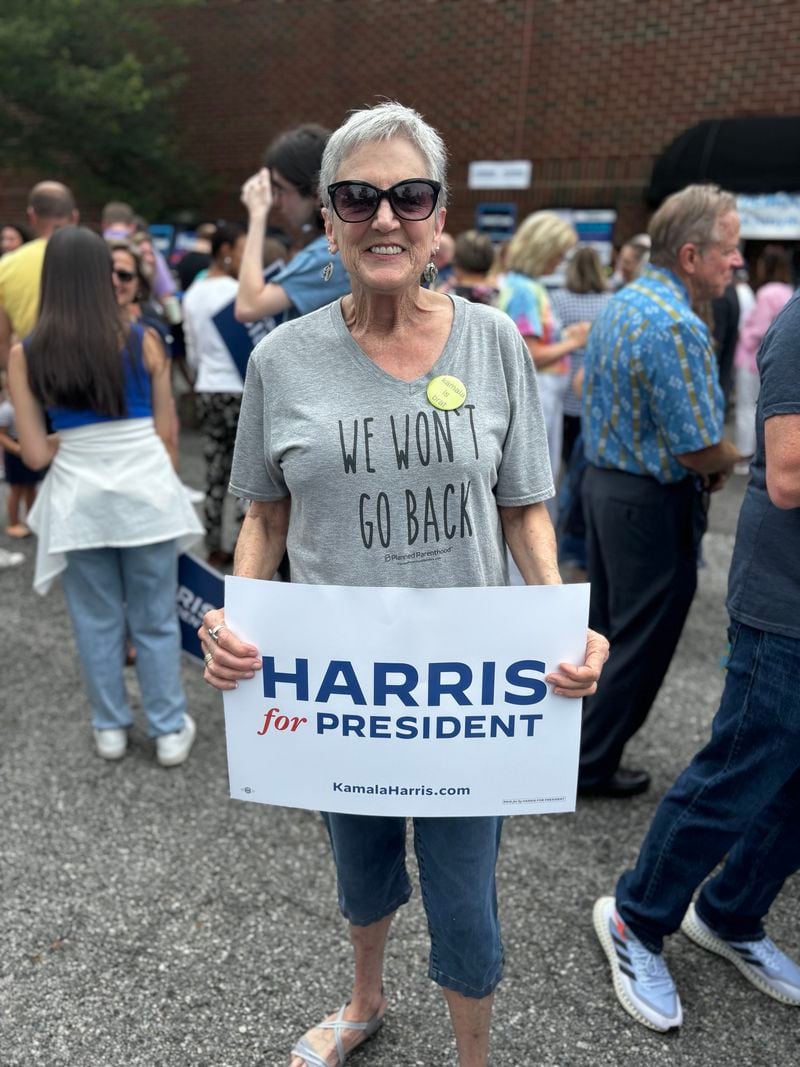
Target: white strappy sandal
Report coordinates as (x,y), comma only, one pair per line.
(313,1059)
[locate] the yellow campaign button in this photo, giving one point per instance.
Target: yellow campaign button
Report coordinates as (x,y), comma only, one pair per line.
(446,392)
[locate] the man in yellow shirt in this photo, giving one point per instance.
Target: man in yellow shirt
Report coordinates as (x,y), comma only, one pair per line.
(50,206)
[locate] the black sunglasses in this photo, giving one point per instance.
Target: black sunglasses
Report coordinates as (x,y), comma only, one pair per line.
(412,200)
(123,275)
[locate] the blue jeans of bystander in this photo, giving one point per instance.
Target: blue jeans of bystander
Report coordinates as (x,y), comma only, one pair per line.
(107,588)
(739,797)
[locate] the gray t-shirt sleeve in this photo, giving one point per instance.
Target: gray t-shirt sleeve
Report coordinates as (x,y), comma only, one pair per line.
(254,474)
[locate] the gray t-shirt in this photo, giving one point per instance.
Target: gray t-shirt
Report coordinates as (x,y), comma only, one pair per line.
(385,489)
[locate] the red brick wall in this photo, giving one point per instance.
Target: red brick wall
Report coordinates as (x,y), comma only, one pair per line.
(590,90)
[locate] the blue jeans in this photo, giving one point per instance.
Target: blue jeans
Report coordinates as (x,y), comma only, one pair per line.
(739,797)
(457,859)
(107,588)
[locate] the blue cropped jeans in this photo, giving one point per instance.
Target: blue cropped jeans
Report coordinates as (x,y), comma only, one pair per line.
(457,859)
(739,797)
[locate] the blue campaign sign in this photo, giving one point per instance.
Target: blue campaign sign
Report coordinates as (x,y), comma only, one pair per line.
(241,338)
(594,226)
(498,220)
(200,588)
(163,235)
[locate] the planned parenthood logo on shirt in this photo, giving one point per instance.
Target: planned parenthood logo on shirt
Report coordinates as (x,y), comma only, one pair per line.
(405,701)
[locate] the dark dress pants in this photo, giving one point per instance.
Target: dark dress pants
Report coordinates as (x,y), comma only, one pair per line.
(642,539)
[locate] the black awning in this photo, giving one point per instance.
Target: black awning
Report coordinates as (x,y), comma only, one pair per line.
(752,155)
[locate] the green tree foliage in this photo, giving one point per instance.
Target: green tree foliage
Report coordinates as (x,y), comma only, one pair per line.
(85,91)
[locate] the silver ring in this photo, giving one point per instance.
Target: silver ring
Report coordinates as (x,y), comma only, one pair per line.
(213,633)
(208,658)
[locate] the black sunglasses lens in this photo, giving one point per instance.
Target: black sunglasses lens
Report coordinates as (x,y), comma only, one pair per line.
(355,202)
(413,200)
(124,275)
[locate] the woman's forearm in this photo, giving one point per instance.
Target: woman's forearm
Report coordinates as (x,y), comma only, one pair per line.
(262,539)
(530,536)
(251,271)
(544,355)
(37,447)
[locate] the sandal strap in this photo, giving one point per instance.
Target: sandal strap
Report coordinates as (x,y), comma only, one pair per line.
(340,1023)
(307,1053)
(313,1059)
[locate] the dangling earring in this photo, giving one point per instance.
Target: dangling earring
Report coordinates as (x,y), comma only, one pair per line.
(327,272)
(431,273)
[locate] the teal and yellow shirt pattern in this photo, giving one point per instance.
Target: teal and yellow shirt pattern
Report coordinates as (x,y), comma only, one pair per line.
(651,389)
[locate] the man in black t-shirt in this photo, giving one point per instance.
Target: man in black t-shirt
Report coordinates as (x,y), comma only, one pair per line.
(740,796)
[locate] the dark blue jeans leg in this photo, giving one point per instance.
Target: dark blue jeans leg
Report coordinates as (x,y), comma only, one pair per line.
(370,856)
(457,860)
(735,902)
(754,751)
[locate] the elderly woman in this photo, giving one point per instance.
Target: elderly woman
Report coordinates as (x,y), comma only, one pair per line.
(535,251)
(375,352)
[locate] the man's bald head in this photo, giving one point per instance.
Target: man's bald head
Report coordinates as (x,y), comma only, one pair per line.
(51,204)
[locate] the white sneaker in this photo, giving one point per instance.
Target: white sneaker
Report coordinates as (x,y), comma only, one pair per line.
(642,981)
(761,962)
(111,744)
(172,749)
(10,559)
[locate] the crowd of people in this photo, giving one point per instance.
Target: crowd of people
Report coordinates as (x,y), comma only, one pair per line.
(598,411)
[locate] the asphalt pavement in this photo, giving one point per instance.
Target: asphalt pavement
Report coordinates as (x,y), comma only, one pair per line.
(150,921)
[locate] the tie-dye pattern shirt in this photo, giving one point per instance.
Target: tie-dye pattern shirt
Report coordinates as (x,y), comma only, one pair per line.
(528,304)
(651,390)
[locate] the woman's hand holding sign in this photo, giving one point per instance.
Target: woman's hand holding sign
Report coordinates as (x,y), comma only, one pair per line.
(228,660)
(572,681)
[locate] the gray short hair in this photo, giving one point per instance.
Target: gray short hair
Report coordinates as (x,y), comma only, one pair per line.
(690,216)
(381,123)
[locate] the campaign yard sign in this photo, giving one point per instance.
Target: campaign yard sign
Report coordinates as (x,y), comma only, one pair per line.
(407,702)
(200,588)
(240,338)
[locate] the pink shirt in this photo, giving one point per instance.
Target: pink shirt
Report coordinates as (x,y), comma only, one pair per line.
(770,298)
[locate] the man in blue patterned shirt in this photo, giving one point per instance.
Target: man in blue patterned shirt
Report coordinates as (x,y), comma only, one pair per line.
(653,430)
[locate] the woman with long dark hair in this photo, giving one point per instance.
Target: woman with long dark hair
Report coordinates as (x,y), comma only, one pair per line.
(111,514)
